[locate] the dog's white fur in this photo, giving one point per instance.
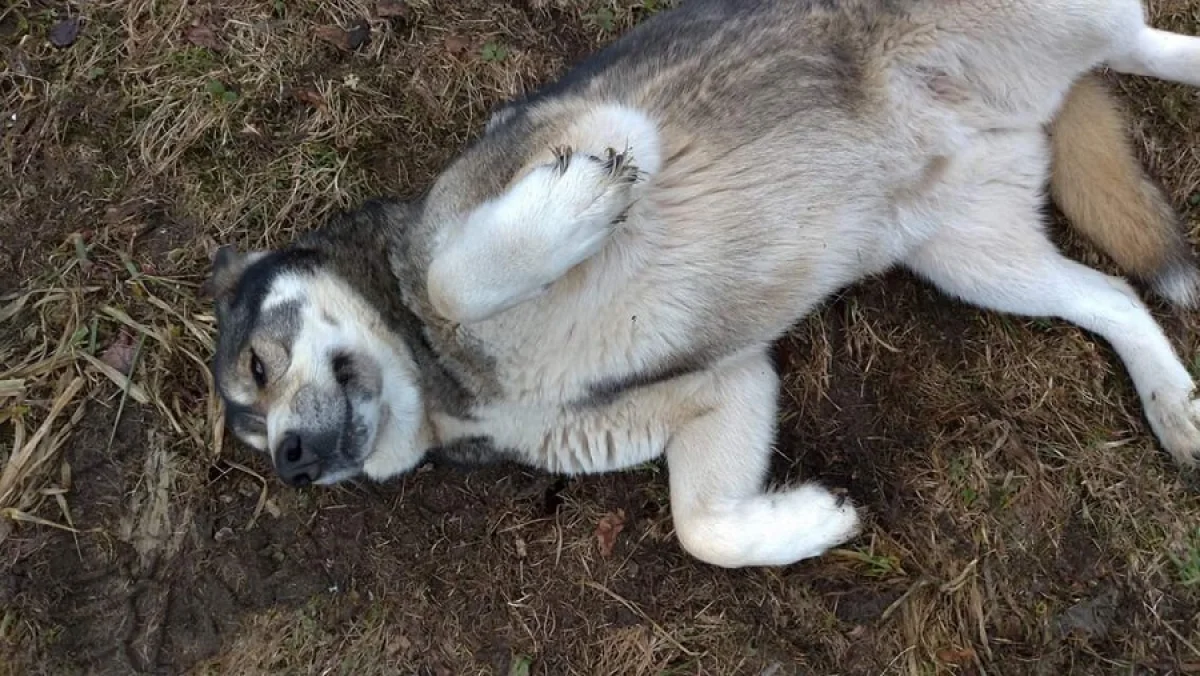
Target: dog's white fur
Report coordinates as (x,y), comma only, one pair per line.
(585,267)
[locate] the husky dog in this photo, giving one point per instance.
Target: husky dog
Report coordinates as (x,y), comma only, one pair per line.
(596,280)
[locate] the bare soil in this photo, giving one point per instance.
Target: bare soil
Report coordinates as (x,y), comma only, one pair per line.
(1021,519)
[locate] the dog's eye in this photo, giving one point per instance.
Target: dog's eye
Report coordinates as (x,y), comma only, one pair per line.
(258,370)
(343,369)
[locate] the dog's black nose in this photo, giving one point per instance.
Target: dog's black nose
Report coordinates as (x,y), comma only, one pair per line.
(295,462)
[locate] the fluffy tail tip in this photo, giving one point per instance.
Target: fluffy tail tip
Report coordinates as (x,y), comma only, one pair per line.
(1179,283)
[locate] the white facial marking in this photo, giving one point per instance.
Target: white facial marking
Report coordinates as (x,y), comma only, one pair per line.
(334,320)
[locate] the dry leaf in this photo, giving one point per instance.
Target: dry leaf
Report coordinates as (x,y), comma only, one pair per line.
(334,36)
(310,96)
(119,214)
(203,36)
(456,44)
(393,9)
(396,645)
(18,64)
(346,40)
(956,655)
(610,526)
(64,33)
(359,34)
(119,354)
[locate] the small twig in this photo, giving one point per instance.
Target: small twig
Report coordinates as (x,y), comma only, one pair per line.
(121,380)
(262,495)
(23,450)
(17,515)
(1174,632)
(916,586)
(638,611)
(960,579)
(881,342)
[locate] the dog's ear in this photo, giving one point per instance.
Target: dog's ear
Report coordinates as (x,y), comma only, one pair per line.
(227,268)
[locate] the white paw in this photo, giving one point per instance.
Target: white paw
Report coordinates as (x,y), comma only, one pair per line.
(822,520)
(772,529)
(1175,420)
(575,203)
(512,248)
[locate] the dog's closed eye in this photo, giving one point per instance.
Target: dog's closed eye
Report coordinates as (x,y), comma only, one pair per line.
(258,370)
(343,369)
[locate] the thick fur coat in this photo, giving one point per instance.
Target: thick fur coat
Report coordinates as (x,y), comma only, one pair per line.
(595,281)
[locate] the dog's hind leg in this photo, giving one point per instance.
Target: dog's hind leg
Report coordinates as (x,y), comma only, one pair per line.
(717,464)
(993,252)
(1151,52)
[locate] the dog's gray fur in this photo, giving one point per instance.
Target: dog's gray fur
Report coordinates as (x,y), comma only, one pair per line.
(594,281)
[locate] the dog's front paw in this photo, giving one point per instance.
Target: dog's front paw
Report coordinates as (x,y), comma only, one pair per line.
(564,211)
(589,194)
(834,520)
(771,529)
(618,169)
(1176,422)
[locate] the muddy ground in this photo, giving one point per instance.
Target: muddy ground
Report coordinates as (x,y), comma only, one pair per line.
(1021,519)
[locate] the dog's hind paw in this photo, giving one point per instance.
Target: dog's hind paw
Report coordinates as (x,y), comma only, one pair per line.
(1176,422)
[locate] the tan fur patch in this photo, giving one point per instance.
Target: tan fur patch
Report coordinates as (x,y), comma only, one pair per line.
(1100,185)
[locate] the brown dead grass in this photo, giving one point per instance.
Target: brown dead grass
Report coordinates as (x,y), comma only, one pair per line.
(1019,510)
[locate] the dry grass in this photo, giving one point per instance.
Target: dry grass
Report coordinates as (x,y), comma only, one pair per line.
(1019,510)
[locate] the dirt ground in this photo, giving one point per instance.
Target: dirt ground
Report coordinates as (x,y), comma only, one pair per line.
(1021,519)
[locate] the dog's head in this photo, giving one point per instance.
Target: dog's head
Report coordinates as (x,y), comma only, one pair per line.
(309,372)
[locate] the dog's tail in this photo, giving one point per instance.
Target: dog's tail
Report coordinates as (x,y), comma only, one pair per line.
(1102,188)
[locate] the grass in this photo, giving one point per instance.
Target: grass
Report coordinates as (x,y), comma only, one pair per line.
(1188,562)
(1018,509)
